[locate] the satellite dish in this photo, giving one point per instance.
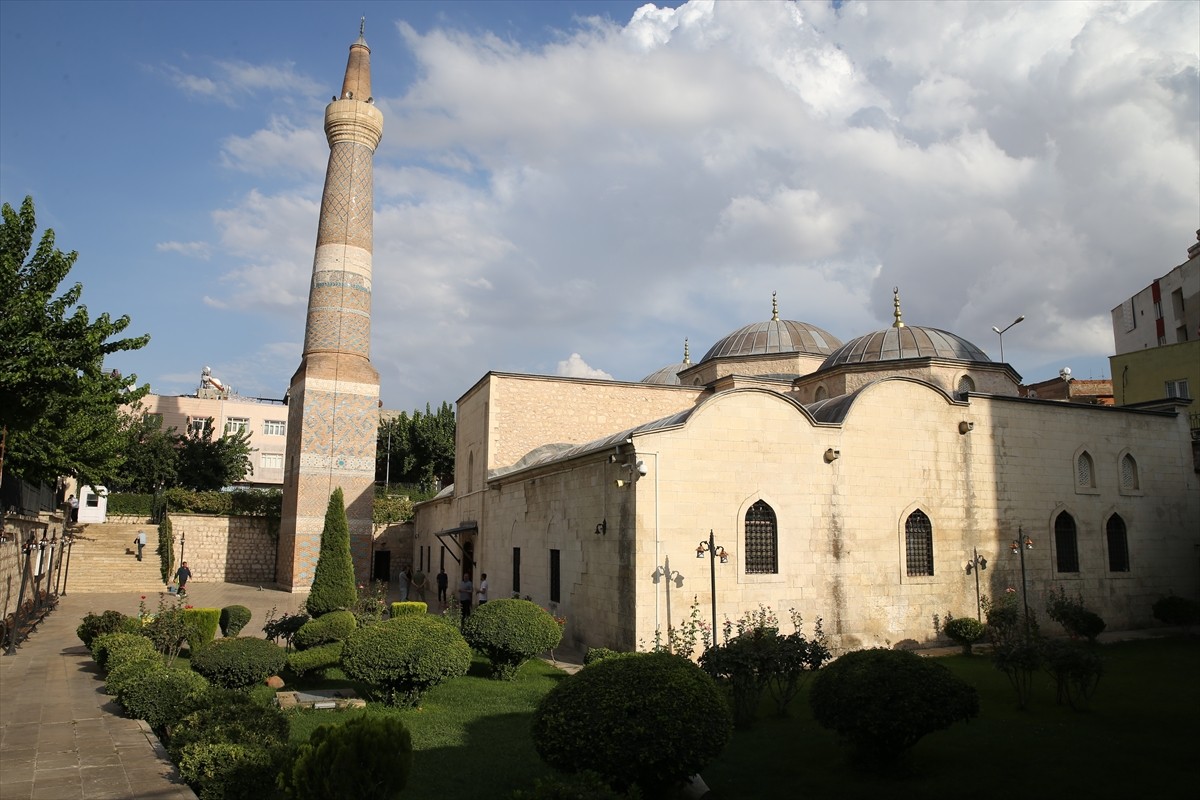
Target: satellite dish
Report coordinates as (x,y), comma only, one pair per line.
(1065,374)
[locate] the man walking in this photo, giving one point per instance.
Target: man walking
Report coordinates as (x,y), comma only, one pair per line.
(140,541)
(182,576)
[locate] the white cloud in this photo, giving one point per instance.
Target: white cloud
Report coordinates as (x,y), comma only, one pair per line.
(231,81)
(576,367)
(200,250)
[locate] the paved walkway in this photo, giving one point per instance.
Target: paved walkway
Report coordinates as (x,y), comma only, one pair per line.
(62,737)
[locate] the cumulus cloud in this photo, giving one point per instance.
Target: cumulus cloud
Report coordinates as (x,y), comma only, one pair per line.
(200,250)
(626,185)
(576,367)
(231,81)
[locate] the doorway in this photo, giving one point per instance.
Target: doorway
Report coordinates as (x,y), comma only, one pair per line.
(382,570)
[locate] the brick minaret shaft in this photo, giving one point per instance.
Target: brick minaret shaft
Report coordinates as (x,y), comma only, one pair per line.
(333,405)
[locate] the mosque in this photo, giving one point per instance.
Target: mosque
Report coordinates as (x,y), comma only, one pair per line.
(853,482)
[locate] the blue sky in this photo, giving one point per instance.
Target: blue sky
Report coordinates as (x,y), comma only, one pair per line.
(575,187)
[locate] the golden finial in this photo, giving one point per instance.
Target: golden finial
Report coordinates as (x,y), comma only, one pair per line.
(774,307)
(687,359)
(896,303)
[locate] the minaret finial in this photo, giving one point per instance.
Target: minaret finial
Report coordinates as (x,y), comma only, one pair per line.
(362,26)
(687,358)
(774,307)
(896,305)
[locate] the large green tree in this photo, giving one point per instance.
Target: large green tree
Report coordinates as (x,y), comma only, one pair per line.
(58,405)
(419,448)
(151,454)
(208,464)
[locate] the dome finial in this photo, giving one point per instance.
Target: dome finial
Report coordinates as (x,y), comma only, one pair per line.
(774,307)
(362,26)
(896,304)
(687,358)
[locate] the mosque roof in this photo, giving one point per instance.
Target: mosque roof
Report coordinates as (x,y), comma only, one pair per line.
(774,336)
(669,375)
(902,341)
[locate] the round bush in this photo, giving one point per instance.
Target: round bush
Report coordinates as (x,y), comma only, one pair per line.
(202,626)
(233,619)
(884,701)
(510,632)
(161,696)
(965,631)
(224,715)
(104,645)
(595,654)
(1175,610)
(239,662)
(367,757)
(93,625)
(650,719)
(319,657)
(131,669)
(332,627)
(404,657)
(228,771)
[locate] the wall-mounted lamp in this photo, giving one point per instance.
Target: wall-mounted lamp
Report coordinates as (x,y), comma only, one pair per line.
(832,455)
(602,527)
(620,484)
(965,427)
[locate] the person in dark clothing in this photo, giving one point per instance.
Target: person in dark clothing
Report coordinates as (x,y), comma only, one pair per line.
(443,582)
(182,576)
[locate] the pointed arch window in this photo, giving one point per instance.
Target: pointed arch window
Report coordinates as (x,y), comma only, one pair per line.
(1118,544)
(1085,473)
(762,540)
(822,393)
(918,544)
(1129,473)
(1066,543)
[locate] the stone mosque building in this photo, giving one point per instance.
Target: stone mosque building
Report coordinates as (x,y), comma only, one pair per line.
(850,481)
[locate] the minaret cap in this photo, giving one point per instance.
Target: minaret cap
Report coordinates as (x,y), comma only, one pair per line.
(357,85)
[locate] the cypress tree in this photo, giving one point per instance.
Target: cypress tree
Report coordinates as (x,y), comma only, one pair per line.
(333,580)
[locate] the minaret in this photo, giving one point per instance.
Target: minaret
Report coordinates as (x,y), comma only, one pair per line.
(333,405)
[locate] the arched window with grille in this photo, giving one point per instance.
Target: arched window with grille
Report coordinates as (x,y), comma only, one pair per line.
(762,540)
(1085,472)
(965,384)
(1129,473)
(1066,543)
(918,544)
(1118,544)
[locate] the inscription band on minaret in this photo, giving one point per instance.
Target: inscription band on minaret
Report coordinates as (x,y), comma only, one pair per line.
(333,401)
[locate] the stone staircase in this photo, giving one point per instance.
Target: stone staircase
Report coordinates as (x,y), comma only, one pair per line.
(103,559)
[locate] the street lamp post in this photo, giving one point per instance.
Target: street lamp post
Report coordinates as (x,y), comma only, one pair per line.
(977,564)
(1000,333)
(714,551)
(1019,546)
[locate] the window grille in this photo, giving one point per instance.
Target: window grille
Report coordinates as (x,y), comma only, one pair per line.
(918,543)
(762,540)
(1118,545)
(1083,471)
(965,384)
(1066,544)
(1129,475)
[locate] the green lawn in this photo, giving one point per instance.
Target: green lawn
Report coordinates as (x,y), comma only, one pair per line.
(1139,739)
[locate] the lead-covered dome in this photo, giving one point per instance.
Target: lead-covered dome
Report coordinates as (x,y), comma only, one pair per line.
(904,341)
(774,336)
(669,375)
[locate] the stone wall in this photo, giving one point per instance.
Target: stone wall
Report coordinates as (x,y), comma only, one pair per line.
(233,549)
(17,529)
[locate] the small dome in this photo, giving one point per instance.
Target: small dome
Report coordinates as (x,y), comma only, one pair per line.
(892,344)
(669,375)
(774,336)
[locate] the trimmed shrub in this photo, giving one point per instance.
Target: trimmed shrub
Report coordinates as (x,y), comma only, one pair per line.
(131,668)
(332,627)
(285,627)
(319,657)
(223,715)
(595,654)
(408,607)
(333,586)
(964,631)
(1076,670)
(239,662)
(1174,610)
(645,719)
(202,626)
(367,757)
(169,629)
(161,696)
(109,622)
(225,771)
(510,632)
(404,657)
(233,619)
(106,644)
(1071,613)
(883,701)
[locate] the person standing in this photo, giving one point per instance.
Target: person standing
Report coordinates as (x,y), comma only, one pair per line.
(405,582)
(465,590)
(74,501)
(482,594)
(418,585)
(140,541)
(182,576)
(443,581)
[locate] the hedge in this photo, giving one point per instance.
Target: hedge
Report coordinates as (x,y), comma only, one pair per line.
(334,626)
(319,657)
(161,696)
(409,607)
(108,643)
(404,657)
(202,624)
(239,662)
(510,632)
(367,757)
(110,621)
(233,619)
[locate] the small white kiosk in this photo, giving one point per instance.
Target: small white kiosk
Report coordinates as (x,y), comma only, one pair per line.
(93,504)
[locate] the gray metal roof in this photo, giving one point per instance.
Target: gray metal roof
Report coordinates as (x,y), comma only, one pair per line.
(893,344)
(774,336)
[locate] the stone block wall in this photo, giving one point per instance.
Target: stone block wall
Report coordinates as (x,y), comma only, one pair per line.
(234,549)
(17,529)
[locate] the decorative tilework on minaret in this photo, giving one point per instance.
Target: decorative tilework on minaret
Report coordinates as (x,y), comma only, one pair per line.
(333,402)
